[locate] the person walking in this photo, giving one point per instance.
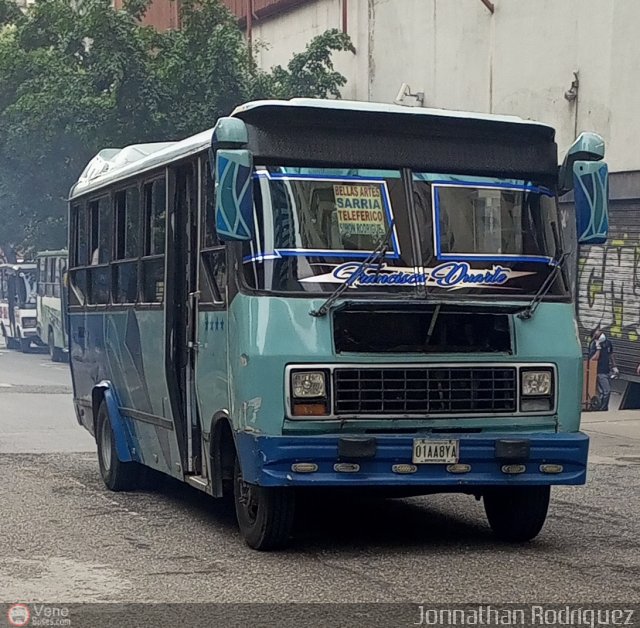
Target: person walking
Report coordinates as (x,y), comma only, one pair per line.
(601,350)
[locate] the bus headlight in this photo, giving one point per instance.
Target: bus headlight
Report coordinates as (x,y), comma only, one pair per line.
(537,383)
(308,385)
(309,393)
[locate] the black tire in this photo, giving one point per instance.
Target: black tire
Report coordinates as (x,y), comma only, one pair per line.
(117,475)
(12,344)
(517,514)
(265,515)
(54,352)
(25,345)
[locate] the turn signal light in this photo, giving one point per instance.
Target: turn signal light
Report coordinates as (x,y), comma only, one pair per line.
(513,469)
(459,468)
(404,468)
(551,468)
(346,467)
(304,467)
(310,409)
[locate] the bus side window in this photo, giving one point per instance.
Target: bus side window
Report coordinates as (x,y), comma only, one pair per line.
(48,263)
(127,250)
(79,254)
(101,237)
(41,276)
(212,256)
(155,212)
(208,228)
(93,233)
(80,243)
(105,241)
(57,277)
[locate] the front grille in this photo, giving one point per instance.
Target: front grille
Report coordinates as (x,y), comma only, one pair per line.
(434,390)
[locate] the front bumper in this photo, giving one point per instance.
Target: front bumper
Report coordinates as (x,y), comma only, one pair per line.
(267,460)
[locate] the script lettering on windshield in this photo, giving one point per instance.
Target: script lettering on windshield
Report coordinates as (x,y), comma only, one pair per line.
(450,275)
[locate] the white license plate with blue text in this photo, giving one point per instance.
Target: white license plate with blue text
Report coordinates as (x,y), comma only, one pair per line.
(435,451)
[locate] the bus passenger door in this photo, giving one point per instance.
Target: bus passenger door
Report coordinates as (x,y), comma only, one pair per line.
(181,311)
(212,385)
(62,290)
(12,302)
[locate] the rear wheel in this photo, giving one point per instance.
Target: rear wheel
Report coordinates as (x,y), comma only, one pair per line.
(54,352)
(265,515)
(117,475)
(517,514)
(9,342)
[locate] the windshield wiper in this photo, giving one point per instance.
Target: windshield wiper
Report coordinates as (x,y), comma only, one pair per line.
(376,257)
(558,263)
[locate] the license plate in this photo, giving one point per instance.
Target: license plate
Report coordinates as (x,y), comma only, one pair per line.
(435,451)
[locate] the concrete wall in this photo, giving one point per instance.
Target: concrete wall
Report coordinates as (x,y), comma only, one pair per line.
(519,60)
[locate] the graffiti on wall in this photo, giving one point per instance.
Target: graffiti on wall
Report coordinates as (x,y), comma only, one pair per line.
(609,288)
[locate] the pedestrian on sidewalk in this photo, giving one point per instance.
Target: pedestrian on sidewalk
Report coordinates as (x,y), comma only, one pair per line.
(601,349)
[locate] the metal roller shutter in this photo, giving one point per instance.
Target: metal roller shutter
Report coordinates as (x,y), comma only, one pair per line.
(609,285)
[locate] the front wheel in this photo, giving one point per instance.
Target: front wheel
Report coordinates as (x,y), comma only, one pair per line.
(25,345)
(265,515)
(117,475)
(517,514)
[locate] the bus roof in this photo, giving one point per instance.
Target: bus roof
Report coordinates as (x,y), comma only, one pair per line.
(112,165)
(258,106)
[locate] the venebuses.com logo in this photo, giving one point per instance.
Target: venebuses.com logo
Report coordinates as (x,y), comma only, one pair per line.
(38,615)
(18,615)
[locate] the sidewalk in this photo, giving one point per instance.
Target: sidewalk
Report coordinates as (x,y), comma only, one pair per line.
(621,423)
(615,436)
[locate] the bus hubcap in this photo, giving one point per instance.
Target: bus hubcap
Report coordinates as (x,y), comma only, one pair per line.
(105,438)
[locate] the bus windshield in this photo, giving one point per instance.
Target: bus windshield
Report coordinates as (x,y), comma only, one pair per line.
(26,289)
(313,228)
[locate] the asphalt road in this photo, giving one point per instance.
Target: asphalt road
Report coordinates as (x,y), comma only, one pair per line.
(36,409)
(65,537)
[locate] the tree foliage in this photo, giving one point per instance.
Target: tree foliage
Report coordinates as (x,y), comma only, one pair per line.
(76,77)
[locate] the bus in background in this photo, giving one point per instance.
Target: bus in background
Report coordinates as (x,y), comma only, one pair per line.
(52,266)
(18,305)
(325,294)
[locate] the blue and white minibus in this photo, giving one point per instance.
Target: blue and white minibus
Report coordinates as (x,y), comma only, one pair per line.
(329,294)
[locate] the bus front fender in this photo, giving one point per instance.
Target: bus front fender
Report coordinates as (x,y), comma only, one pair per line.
(104,392)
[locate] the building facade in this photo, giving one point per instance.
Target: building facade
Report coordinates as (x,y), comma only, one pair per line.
(161,14)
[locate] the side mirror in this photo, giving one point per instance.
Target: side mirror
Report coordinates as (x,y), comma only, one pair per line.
(587,147)
(234,194)
(591,194)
